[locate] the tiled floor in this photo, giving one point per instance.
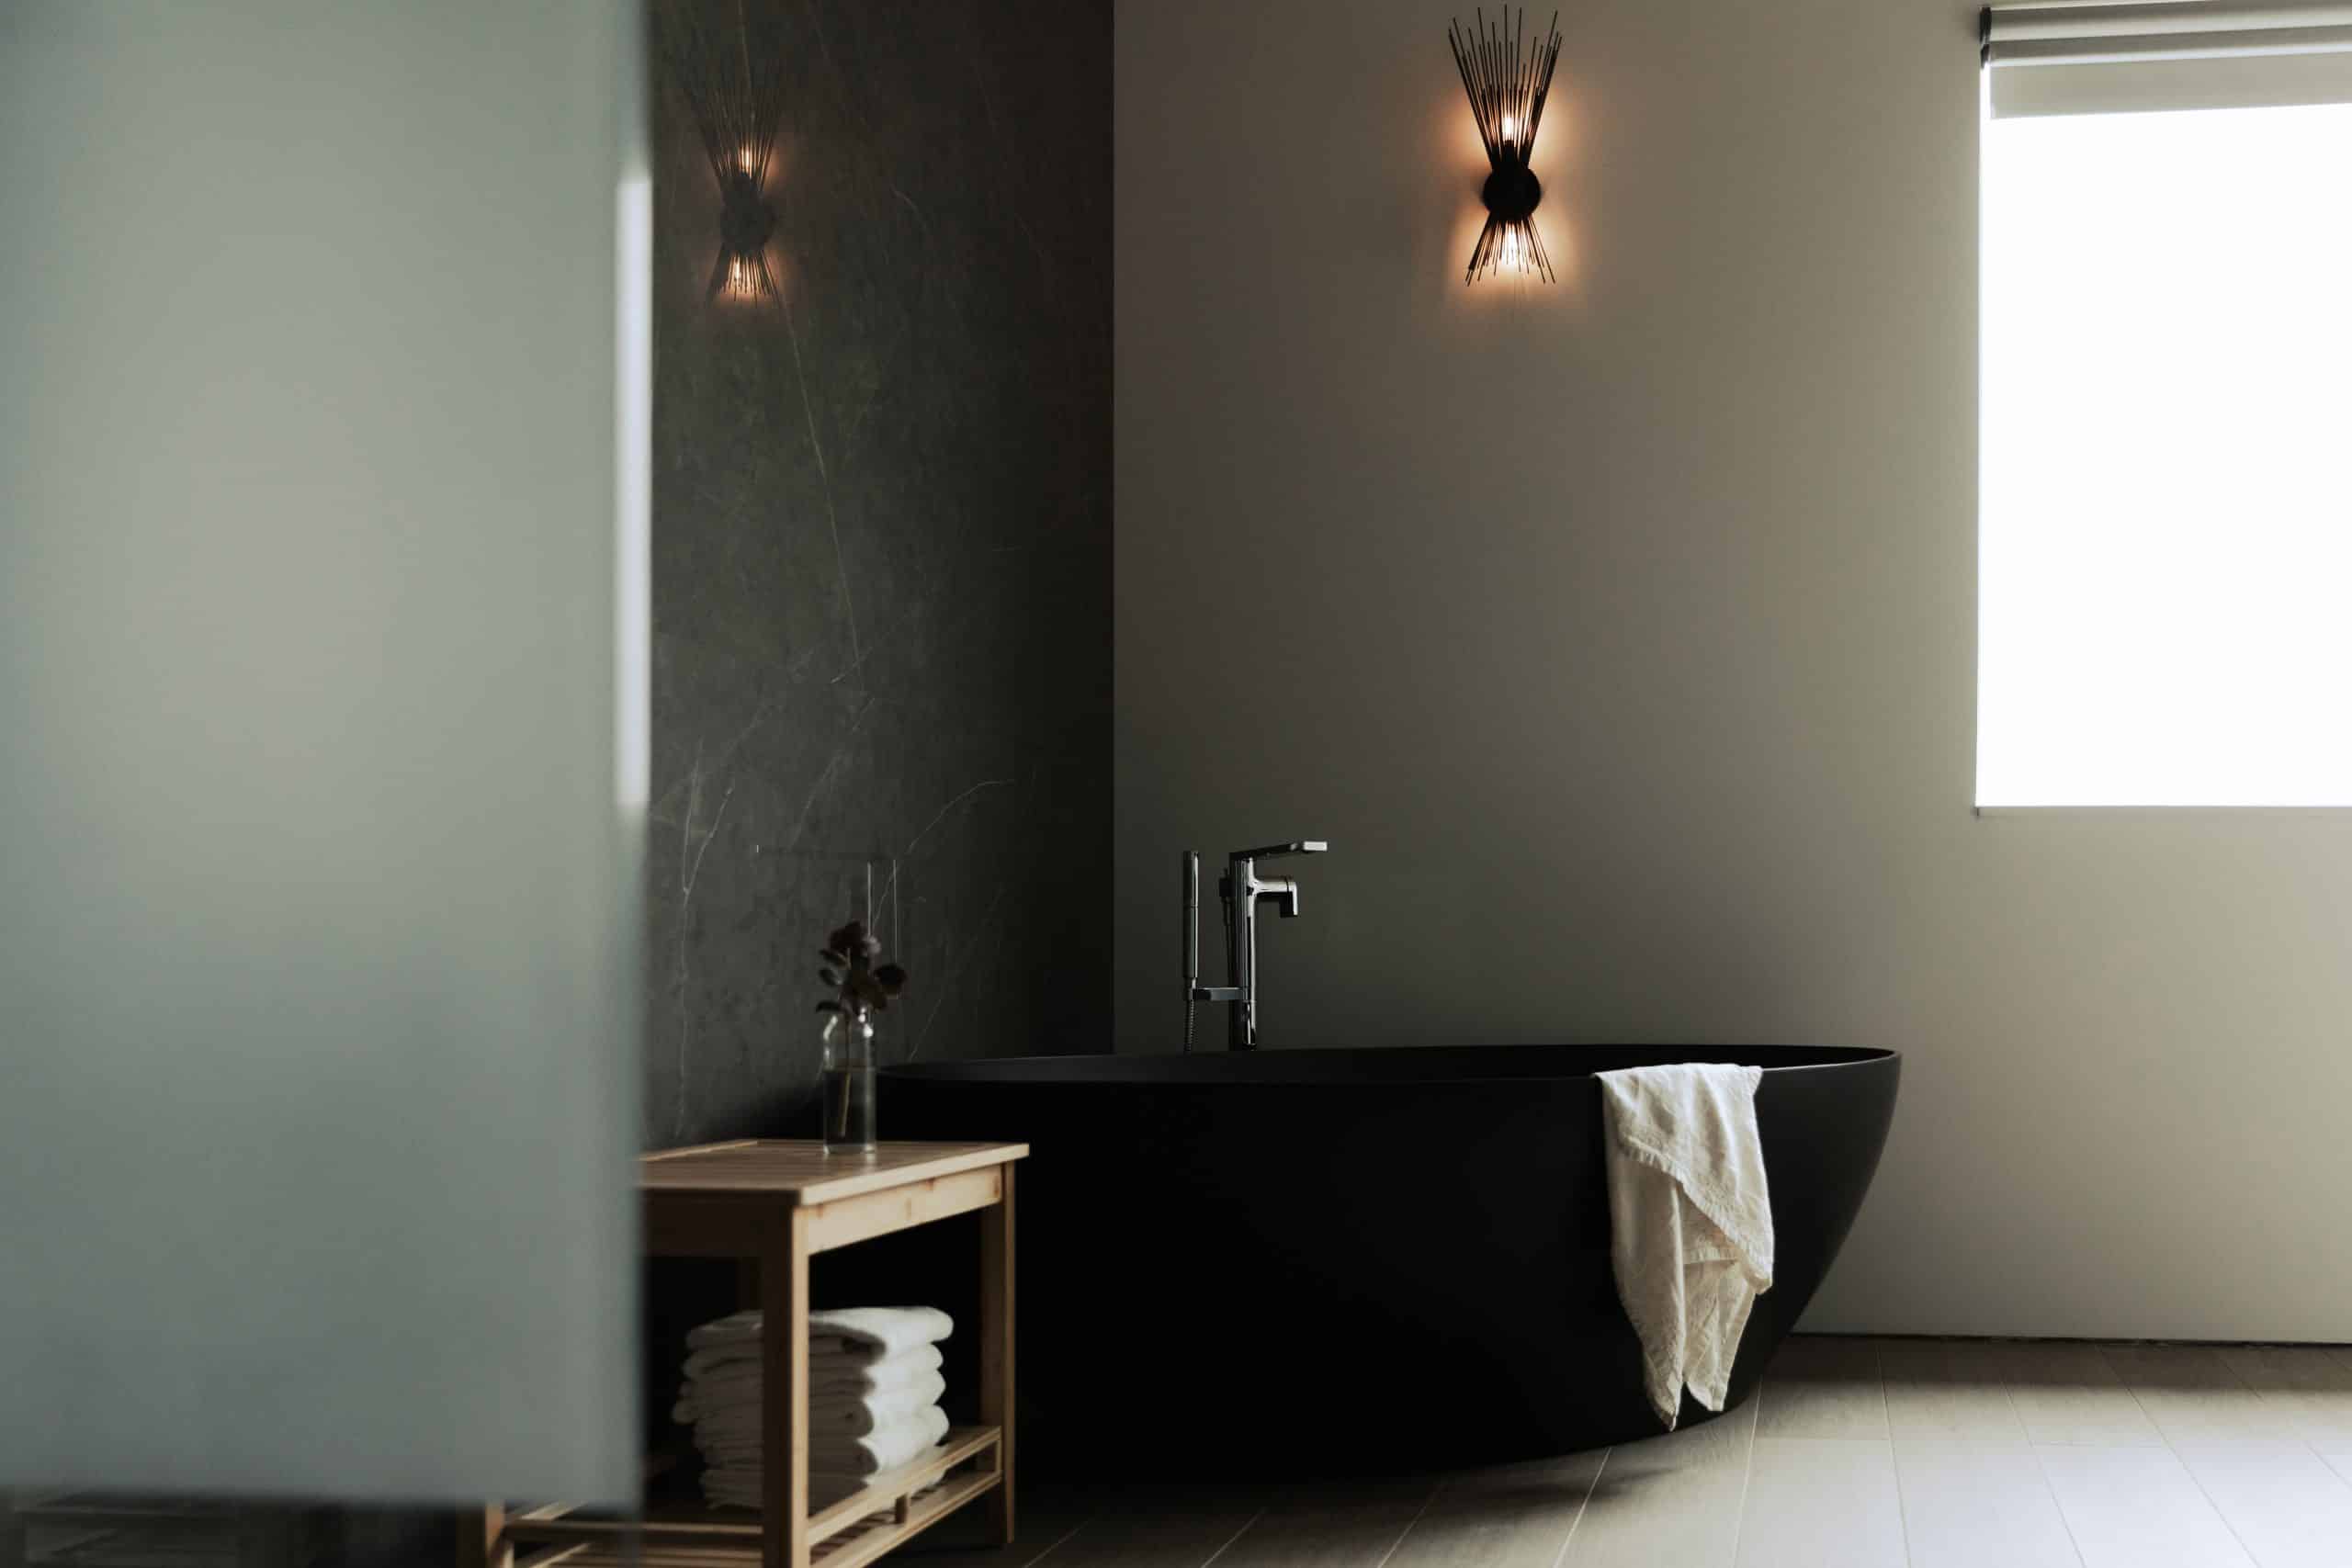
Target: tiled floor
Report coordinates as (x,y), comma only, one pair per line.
(1893,1453)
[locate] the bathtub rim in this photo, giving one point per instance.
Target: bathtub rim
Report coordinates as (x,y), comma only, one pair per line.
(992,1070)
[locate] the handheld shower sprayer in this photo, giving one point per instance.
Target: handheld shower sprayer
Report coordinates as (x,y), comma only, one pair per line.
(1192,942)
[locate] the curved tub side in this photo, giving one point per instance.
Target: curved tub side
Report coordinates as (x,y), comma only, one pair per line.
(1357,1276)
(1822,1134)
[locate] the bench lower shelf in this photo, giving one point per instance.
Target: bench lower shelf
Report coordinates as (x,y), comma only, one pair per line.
(854,1530)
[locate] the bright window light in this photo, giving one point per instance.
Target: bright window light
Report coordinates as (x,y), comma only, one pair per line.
(2165,584)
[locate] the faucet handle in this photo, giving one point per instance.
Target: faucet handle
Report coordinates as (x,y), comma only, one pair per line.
(1298,847)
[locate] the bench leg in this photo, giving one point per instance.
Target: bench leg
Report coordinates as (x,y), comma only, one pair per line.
(481,1539)
(996,1348)
(784,1425)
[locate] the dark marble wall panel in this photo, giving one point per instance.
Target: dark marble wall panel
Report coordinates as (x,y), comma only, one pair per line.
(882,555)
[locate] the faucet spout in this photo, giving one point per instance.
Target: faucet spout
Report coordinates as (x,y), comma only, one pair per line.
(1296,847)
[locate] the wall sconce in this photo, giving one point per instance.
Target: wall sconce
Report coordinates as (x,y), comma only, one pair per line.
(745,222)
(737,106)
(1507,88)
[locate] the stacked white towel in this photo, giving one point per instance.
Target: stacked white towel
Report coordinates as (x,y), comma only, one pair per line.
(874,1391)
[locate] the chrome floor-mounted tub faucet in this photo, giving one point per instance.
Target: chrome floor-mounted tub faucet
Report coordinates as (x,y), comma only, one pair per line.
(1242,889)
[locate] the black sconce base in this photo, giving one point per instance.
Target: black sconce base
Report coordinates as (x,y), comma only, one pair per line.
(1511,192)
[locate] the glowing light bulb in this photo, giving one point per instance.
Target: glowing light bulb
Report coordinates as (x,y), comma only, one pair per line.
(1510,127)
(743,159)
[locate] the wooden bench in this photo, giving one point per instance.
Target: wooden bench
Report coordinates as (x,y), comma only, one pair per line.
(772,1205)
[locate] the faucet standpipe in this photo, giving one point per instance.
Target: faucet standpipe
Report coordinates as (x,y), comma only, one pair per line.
(1242,889)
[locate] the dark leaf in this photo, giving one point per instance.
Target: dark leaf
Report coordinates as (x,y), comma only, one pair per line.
(892,979)
(829,977)
(829,1007)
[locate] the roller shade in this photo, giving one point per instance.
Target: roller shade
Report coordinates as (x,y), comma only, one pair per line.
(2188,54)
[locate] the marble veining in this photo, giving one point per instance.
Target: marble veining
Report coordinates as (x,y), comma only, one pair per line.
(882,558)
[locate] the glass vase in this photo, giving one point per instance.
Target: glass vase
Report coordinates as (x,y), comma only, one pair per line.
(849,1083)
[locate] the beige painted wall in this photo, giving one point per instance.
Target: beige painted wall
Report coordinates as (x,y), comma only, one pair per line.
(1621,636)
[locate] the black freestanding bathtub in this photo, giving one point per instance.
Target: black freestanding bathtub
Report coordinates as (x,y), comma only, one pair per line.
(1287,1262)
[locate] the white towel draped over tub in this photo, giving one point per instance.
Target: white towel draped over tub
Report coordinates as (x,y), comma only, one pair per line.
(1690,1219)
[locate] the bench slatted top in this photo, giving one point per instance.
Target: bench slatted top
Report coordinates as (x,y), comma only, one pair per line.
(799,1172)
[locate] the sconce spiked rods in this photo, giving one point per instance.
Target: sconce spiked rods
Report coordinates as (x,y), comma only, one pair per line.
(729,82)
(1508,82)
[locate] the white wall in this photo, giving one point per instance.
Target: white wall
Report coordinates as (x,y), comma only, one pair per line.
(1621,636)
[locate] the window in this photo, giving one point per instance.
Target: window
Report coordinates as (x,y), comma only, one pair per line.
(2165,527)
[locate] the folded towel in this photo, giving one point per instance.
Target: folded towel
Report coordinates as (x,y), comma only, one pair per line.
(886,1447)
(855,1415)
(1691,1220)
(827,1359)
(885,1330)
(862,1376)
(874,1387)
(854,1349)
(737,1354)
(721,1360)
(852,1453)
(866,1413)
(882,1330)
(835,1468)
(870,1453)
(834,1346)
(737,1329)
(736,1385)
